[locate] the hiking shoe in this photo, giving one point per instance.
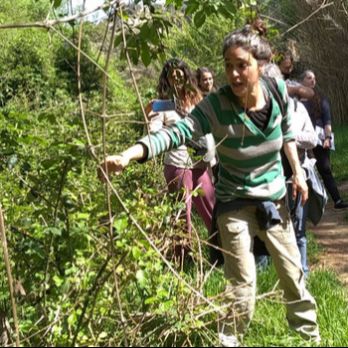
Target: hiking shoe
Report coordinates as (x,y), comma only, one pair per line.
(341,205)
(228,340)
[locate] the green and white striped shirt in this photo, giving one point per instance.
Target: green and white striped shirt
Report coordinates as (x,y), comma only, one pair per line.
(250,161)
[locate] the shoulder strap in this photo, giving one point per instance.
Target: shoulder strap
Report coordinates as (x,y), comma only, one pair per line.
(273,87)
(295,104)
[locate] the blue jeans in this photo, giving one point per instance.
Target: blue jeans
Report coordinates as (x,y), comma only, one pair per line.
(262,261)
(299,216)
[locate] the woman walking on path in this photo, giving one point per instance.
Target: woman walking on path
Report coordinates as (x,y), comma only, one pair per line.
(318,108)
(246,121)
(181,171)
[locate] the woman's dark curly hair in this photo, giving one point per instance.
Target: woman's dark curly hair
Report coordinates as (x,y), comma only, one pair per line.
(189,95)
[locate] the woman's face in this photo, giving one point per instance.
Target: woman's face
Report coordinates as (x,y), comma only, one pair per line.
(286,66)
(176,78)
(309,80)
(242,71)
(206,82)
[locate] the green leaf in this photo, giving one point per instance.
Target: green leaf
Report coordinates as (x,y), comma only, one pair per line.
(151,300)
(72,319)
(140,276)
(134,56)
(136,252)
(199,18)
(57,3)
(145,31)
(146,55)
(118,39)
(82,216)
(121,224)
(191,8)
(153,36)
(55,231)
(79,143)
(58,281)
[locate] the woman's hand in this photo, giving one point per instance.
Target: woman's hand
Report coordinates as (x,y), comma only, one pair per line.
(299,185)
(113,164)
(298,178)
(149,112)
(148,108)
(116,164)
(327,143)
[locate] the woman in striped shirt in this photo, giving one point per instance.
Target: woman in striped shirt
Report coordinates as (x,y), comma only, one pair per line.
(250,131)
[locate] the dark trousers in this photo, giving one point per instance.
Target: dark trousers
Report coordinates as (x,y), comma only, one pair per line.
(324,168)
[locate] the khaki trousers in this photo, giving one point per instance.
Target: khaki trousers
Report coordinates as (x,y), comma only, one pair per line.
(237,230)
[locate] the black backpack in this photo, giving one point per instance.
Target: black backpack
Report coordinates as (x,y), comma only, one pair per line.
(273,87)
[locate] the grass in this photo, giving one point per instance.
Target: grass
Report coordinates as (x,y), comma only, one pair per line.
(332,300)
(269,326)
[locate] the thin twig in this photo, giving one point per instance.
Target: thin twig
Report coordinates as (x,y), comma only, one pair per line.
(81,51)
(154,247)
(48,24)
(108,191)
(321,7)
(96,286)
(135,83)
(9,274)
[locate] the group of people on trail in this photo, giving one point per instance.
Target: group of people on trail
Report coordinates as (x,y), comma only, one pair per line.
(318,108)
(257,133)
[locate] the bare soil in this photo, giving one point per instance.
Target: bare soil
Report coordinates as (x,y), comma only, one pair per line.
(332,235)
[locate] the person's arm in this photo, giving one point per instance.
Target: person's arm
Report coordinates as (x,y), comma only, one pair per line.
(298,180)
(290,149)
(326,118)
(301,92)
(117,163)
(190,127)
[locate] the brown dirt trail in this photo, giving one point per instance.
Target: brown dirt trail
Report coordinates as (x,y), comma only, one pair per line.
(332,235)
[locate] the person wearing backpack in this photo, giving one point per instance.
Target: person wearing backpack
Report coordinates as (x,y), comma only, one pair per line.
(250,131)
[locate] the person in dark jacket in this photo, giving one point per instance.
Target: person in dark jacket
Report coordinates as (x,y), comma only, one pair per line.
(318,108)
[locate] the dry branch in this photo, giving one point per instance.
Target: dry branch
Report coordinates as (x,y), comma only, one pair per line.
(9,274)
(49,23)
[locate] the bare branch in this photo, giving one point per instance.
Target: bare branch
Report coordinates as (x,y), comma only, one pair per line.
(321,7)
(9,274)
(135,82)
(49,23)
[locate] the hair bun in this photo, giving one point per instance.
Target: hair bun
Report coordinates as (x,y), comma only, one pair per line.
(259,26)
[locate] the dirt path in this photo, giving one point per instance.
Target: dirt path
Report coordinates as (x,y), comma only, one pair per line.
(332,235)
